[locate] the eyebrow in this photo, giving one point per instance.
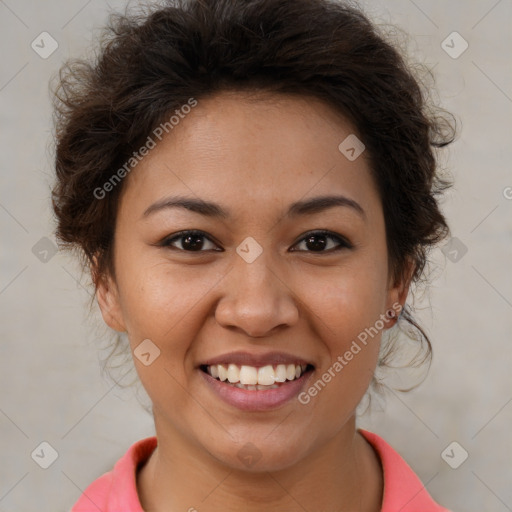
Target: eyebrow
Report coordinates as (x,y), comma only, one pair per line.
(210,209)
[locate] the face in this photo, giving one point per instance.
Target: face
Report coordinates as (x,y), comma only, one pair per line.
(278,279)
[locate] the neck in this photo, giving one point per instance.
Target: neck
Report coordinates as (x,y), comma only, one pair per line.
(344,474)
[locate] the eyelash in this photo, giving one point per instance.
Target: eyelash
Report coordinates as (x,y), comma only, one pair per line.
(343,243)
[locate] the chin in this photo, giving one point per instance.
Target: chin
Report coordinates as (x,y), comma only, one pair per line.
(266,455)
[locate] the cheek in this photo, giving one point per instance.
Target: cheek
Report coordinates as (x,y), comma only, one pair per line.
(162,303)
(349,312)
(352,298)
(165,305)
(348,308)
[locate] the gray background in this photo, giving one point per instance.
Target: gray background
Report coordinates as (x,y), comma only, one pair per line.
(52,386)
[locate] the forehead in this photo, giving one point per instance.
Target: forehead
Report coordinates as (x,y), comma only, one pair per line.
(249,150)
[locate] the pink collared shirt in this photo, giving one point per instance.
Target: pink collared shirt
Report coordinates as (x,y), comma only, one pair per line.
(116,491)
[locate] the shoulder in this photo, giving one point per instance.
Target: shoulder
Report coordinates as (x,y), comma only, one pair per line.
(117,489)
(403,490)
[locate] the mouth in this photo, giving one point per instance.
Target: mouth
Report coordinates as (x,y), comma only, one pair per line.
(257,378)
(256,383)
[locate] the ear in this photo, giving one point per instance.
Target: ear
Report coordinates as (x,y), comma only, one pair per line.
(398,291)
(107,296)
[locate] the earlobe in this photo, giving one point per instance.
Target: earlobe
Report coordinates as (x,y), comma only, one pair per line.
(108,301)
(397,295)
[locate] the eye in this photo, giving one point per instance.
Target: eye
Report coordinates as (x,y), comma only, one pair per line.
(315,241)
(318,241)
(190,241)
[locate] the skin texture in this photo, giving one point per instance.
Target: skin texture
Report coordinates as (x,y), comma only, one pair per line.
(254,156)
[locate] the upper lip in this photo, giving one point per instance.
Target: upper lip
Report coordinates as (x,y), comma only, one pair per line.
(257,360)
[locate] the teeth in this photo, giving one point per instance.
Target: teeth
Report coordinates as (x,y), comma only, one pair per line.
(222,371)
(233,373)
(280,373)
(266,376)
(257,387)
(250,377)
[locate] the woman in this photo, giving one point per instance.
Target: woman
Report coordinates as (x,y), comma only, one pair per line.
(253,187)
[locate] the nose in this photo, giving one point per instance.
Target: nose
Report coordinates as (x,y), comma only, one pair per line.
(257,298)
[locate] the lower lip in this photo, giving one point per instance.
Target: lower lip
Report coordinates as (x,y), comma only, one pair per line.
(257,400)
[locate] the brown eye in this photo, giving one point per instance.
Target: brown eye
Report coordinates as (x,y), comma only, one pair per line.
(190,241)
(321,241)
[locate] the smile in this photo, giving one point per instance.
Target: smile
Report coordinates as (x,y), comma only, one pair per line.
(254,378)
(256,388)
